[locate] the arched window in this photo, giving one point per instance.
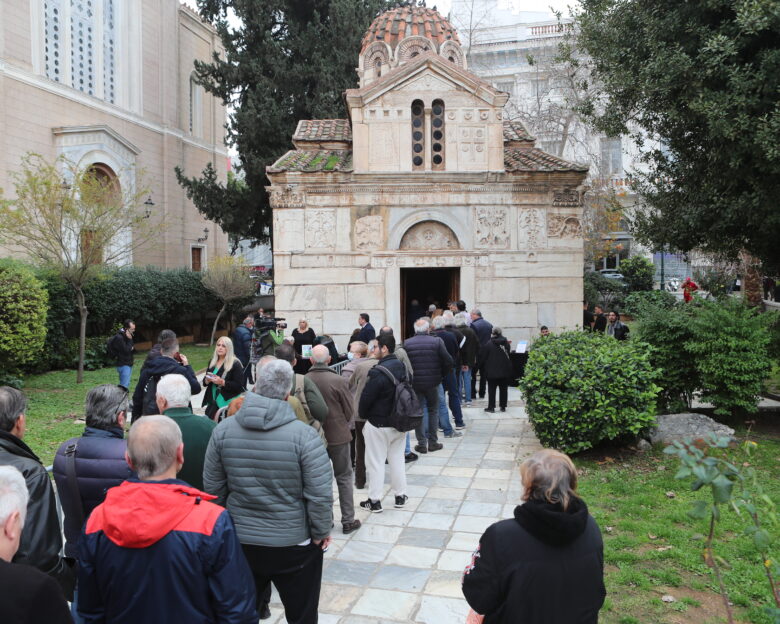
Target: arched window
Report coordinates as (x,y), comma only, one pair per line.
(378,68)
(418,135)
(196,108)
(437,135)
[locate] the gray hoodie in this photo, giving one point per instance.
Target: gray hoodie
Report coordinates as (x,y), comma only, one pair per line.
(272,473)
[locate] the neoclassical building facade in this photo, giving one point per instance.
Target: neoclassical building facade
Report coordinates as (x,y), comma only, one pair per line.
(108,84)
(424,192)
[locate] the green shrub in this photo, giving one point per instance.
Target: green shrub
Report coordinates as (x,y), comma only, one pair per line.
(730,347)
(582,388)
(603,291)
(23,306)
(667,331)
(638,273)
(640,303)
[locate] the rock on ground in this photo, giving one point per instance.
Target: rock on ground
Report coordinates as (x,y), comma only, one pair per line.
(689,425)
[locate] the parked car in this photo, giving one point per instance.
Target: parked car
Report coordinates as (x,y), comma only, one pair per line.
(611,274)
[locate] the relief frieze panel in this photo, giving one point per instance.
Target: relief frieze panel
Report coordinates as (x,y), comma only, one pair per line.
(532,226)
(440,260)
(564,226)
(429,235)
(491,227)
(320,229)
(368,232)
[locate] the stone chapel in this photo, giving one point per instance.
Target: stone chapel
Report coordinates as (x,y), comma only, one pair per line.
(426,191)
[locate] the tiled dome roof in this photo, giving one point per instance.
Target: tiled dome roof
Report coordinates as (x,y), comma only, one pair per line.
(407,21)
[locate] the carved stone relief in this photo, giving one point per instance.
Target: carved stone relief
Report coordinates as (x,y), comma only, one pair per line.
(532,226)
(564,226)
(368,232)
(320,229)
(567,198)
(287,197)
(429,235)
(491,227)
(472,140)
(381,262)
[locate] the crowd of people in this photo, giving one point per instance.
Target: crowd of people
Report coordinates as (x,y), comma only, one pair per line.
(191,517)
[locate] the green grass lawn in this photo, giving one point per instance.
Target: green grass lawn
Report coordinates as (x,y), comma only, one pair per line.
(56,400)
(652,548)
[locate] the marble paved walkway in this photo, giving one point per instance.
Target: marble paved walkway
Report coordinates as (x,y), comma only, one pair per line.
(405,565)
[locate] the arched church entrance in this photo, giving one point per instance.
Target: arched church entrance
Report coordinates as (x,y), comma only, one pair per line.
(427,282)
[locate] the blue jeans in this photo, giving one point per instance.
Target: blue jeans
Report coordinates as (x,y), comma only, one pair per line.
(77,619)
(464,385)
(444,415)
(450,384)
(408,443)
(124,375)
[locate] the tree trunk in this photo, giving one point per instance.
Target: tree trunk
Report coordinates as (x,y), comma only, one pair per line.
(752,287)
(80,300)
(216,320)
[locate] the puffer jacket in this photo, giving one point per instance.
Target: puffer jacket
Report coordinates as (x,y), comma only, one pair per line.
(272,473)
(430,360)
(158,367)
(100,464)
(41,538)
(159,551)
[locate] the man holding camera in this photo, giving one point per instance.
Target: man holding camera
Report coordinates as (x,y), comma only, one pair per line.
(120,347)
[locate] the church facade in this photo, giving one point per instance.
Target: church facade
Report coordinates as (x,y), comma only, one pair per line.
(426,192)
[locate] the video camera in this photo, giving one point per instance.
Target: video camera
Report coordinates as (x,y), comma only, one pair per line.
(268,323)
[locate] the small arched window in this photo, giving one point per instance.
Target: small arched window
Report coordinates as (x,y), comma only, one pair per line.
(378,68)
(418,135)
(437,135)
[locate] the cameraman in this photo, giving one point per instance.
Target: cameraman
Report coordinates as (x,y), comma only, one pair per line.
(120,347)
(269,334)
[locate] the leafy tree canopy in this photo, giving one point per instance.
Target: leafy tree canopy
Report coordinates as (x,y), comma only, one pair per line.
(704,79)
(287,60)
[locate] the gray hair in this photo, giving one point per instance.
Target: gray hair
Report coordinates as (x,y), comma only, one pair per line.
(497,331)
(476,312)
(421,326)
(104,404)
(175,389)
(449,318)
(13,493)
(274,380)
(459,320)
(12,405)
(438,322)
(169,346)
(152,444)
(249,319)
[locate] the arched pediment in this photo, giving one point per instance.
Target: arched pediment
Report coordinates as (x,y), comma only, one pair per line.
(429,235)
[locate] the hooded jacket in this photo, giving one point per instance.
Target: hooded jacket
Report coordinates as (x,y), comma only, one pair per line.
(154,370)
(273,474)
(545,566)
(41,539)
(158,551)
(100,464)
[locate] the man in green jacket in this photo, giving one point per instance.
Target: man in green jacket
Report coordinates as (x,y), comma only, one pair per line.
(173,400)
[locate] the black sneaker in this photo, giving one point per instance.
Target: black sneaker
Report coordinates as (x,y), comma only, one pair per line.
(435,446)
(265,612)
(400,501)
(373,507)
(349,527)
(410,457)
(420,449)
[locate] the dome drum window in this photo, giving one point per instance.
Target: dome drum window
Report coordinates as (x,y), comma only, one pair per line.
(437,135)
(418,135)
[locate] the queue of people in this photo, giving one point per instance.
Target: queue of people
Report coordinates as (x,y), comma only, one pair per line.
(192,517)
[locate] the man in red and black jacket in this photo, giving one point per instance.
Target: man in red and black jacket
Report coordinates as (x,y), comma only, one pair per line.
(181,550)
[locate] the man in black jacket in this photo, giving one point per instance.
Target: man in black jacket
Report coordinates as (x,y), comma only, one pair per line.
(27,595)
(42,538)
(120,347)
(383,442)
(367,332)
(430,363)
(170,362)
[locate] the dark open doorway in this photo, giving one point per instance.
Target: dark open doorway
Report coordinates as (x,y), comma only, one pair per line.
(426,286)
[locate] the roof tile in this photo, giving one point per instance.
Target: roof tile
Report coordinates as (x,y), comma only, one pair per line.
(326,161)
(533,159)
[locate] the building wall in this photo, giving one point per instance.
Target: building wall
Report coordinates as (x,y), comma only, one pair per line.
(156,49)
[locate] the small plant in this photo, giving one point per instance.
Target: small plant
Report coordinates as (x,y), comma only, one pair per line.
(738,488)
(582,388)
(638,273)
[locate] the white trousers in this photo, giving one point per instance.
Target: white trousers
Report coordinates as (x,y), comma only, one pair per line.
(384,443)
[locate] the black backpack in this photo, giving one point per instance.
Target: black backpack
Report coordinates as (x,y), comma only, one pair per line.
(406,413)
(150,396)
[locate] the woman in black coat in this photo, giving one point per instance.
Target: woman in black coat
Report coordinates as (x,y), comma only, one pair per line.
(302,335)
(494,360)
(546,565)
(224,379)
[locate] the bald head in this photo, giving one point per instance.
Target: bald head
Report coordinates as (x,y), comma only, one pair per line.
(155,448)
(320,355)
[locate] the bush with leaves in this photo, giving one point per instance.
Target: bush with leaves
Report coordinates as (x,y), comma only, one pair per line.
(637,273)
(23,305)
(730,348)
(582,388)
(717,280)
(640,303)
(607,292)
(667,330)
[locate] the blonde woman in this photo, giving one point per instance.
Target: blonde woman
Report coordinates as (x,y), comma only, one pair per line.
(547,563)
(224,379)
(304,336)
